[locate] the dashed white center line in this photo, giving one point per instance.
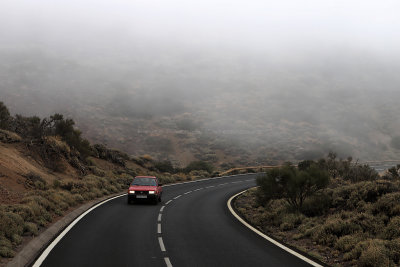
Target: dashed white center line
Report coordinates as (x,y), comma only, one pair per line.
(162,208)
(249,180)
(167,262)
(177,197)
(188,192)
(160,241)
(210,186)
(222,184)
(159,228)
(169,201)
(199,189)
(159,217)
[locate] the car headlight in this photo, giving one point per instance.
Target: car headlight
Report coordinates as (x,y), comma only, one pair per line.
(151,192)
(131,192)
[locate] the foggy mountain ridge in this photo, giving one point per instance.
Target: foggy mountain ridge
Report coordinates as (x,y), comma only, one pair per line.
(261,112)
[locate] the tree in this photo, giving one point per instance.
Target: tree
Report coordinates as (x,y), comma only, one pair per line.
(4,116)
(292,184)
(65,128)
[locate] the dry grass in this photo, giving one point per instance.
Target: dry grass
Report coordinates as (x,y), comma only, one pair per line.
(9,137)
(56,141)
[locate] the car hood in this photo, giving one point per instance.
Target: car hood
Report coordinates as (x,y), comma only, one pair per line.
(142,188)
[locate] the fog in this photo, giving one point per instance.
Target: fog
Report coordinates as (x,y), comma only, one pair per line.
(244,82)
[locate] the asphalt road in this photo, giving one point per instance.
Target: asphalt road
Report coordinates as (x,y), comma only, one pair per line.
(192,226)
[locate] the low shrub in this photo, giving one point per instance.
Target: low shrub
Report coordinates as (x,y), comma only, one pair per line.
(373,225)
(199,166)
(291,220)
(35,181)
(23,210)
(371,253)
(164,166)
(316,205)
(392,230)
(11,225)
(6,248)
(334,228)
(375,254)
(348,242)
(388,204)
(30,228)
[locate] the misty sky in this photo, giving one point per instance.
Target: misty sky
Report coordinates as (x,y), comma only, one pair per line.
(228,63)
(284,25)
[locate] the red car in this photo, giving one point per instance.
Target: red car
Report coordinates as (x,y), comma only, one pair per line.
(145,188)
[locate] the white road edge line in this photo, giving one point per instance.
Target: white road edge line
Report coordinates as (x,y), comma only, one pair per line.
(160,241)
(159,217)
(159,228)
(177,197)
(47,251)
(167,262)
(169,201)
(162,208)
(294,253)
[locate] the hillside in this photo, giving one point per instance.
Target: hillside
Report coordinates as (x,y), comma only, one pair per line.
(47,169)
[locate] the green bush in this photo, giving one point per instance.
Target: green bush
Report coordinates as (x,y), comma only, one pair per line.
(388,204)
(392,230)
(164,166)
(23,210)
(6,246)
(291,220)
(11,224)
(30,228)
(334,228)
(348,197)
(348,242)
(373,225)
(199,166)
(291,184)
(316,205)
(372,253)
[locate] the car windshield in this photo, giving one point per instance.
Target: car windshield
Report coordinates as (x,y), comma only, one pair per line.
(144,181)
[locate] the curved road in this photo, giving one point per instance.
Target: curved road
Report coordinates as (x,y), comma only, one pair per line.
(191,227)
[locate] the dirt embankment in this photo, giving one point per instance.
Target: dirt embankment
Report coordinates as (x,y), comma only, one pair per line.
(40,183)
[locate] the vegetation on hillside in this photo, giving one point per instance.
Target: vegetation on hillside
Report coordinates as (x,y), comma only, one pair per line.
(352,220)
(55,143)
